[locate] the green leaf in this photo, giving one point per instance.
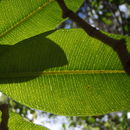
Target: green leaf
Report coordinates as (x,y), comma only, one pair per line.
(21,19)
(16,122)
(65,72)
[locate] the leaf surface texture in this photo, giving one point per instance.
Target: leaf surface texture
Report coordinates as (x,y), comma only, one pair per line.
(21,19)
(65,72)
(16,122)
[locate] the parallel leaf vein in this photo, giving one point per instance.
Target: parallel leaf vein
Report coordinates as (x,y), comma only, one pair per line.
(25,18)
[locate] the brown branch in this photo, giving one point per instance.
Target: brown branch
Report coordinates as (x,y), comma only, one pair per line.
(118,45)
(4,117)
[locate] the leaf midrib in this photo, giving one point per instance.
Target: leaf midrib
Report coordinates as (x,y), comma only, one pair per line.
(34,12)
(61,72)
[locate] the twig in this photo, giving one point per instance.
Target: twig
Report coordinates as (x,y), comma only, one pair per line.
(4,117)
(118,45)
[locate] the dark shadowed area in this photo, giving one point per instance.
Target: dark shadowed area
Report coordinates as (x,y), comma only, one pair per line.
(29,58)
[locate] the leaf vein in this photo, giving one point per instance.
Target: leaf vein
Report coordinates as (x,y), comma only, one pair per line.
(62,72)
(25,18)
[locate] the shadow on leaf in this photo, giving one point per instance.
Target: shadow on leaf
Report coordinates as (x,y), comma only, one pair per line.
(29,58)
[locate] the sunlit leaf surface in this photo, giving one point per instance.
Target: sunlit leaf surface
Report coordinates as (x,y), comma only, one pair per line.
(20,19)
(74,75)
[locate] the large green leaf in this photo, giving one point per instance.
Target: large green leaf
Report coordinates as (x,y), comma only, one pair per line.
(65,72)
(16,122)
(20,19)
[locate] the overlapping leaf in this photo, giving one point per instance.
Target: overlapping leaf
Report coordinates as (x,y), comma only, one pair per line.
(66,72)
(20,19)
(73,75)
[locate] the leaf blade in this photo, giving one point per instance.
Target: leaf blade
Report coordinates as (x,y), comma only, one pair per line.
(30,19)
(91,82)
(17,122)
